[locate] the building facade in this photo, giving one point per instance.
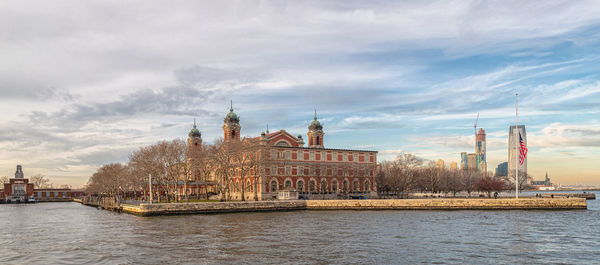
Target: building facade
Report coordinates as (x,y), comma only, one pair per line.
(475,162)
(513,150)
(480,151)
(502,170)
(285,164)
(18,189)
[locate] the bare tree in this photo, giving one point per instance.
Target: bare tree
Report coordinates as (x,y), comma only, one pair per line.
(524,180)
(469,179)
(4,179)
(39,181)
(488,185)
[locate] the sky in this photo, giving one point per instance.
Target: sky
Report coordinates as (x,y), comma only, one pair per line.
(84,83)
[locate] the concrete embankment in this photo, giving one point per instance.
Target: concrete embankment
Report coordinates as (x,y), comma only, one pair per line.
(450,204)
(214,207)
(404,204)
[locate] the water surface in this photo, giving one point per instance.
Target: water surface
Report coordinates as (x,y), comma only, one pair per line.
(70,233)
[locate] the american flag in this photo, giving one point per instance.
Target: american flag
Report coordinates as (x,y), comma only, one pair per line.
(522,150)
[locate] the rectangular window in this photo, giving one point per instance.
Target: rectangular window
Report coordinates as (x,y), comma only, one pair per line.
(329,172)
(294,155)
(361,158)
(328,156)
(306,155)
(288,154)
(312,155)
(340,157)
(294,171)
(318,156)
(355,157)
(371,158)
(273,154)
(288,171)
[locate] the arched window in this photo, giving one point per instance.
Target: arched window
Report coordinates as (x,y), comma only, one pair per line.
(237,186)
(274,185)
(282,143)
(248,186)
(318,141)
(232,134)
(345,185)
(323,186)
(367,185)
(300,185)
(334,185)
(355,187)
(312,185)
(288,184)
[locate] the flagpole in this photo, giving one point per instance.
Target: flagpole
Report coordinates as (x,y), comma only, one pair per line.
(517,148)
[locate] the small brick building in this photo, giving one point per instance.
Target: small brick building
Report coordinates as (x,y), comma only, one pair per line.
(19,190)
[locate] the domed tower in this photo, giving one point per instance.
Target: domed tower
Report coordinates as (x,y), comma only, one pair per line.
(194,139)
(315,133)
(231,128)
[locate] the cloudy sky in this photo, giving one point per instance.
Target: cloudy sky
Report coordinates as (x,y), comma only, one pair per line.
(84,83)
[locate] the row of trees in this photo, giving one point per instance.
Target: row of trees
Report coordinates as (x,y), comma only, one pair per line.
(173,166)
(408,173)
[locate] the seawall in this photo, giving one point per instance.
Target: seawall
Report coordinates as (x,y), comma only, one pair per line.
(145,209)
(451,204)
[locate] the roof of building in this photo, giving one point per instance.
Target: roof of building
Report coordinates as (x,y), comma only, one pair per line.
(231,116)
(194,131)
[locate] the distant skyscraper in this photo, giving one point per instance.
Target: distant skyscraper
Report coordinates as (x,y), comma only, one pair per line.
(472,162)
(513,150)
(502,169)
(463,161)
(440,164)
(453,166)
(480,151)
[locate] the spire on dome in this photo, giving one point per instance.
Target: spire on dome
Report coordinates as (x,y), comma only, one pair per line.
(231,116)
(195,132)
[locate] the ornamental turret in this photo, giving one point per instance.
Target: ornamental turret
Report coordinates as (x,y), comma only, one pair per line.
(315,133)
(231,126)
(19,172)
(194,139)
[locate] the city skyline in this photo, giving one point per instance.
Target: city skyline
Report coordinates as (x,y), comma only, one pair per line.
(79,90)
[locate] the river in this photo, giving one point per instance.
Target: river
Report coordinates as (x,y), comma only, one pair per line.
(70,233)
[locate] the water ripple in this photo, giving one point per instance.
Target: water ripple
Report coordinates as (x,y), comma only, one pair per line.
(69,233)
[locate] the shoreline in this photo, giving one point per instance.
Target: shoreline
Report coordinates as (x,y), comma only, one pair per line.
(443,204)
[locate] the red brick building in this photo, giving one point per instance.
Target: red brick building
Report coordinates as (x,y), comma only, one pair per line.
(286,164)
(20,190)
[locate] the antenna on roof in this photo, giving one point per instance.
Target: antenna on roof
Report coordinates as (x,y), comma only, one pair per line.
(267,128)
